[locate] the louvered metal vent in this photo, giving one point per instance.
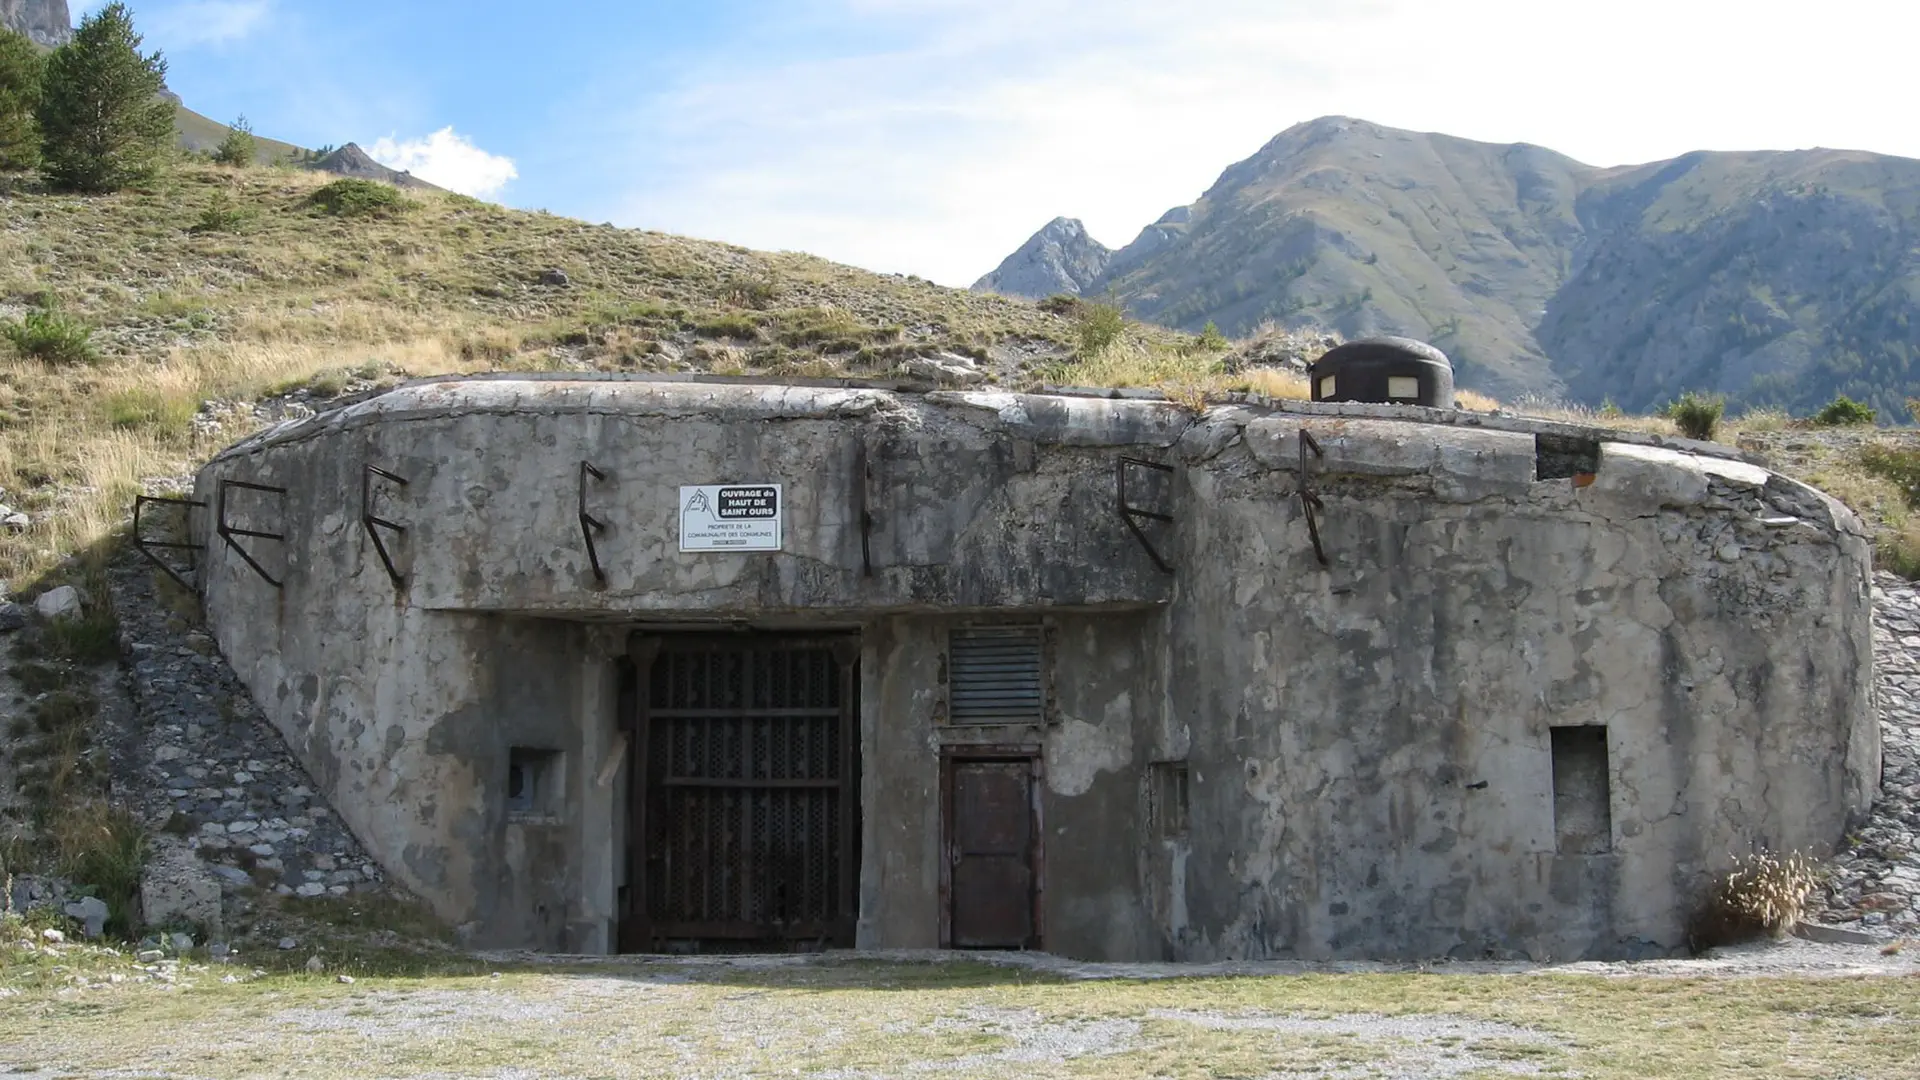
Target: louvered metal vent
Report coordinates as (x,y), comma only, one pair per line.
(993,675)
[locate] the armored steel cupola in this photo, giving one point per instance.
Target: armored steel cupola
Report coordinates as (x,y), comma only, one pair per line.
(1384,370)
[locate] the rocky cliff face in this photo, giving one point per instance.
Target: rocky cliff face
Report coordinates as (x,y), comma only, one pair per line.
(1060,258)
(1771,278)
(44,21)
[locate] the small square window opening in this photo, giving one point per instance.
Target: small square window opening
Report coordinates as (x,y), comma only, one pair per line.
(534,781)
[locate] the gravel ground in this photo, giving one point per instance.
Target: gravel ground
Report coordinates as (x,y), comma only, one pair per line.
(1791,957)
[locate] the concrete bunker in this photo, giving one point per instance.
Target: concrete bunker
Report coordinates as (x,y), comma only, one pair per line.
(629,664)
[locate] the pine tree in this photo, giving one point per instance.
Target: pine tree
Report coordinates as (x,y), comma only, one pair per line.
(237,148)
(20,69)
(103,123)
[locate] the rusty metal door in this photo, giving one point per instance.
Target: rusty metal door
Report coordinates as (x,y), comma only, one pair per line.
(993,854)
(745,814)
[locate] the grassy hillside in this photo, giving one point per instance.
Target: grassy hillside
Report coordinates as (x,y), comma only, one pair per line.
(1777,279)
(225,286)
(202,136)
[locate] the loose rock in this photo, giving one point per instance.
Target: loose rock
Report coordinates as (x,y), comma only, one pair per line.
(59,603)
(91,911)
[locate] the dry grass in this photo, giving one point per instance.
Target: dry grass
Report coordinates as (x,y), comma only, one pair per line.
(181,314)
(1474,401)
(1764,894)
(955,1018)
(286,295)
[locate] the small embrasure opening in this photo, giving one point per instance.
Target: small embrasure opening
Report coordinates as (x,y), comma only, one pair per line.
(1582,800)
(1167,798)
(534,781)
(1560,457)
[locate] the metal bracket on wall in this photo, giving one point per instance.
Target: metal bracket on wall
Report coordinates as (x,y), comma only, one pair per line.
(151,548)
(1310,502)
(1131,514)
(589,525)
(228,531)
(374,523)
(860,479)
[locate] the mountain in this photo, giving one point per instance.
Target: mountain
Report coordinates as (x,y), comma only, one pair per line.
(46,22)
(1060,258)
(350,160)
(1774,278)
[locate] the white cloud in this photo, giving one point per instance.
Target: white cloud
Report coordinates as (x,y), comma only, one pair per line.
(204,22)
(959,126)
(449,160)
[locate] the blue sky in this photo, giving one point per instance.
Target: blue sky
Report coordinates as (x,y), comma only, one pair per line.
(933,136)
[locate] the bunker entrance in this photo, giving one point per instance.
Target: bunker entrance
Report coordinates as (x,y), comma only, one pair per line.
(744,827)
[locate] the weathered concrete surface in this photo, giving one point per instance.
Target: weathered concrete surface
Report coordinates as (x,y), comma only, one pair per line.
(1368,742)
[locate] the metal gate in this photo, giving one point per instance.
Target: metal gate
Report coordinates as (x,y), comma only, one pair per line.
(744,818)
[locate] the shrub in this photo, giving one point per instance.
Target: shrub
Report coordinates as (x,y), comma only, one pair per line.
(1210,339)
(1764,894)
(221,215)
(354,197)
(1062,304)
(753,292)
(1898,550)
(103,124)
(1696,416)
(237,148)
(21,66)
(1100,326)
(1898,464)
(1843,411)
(45,334)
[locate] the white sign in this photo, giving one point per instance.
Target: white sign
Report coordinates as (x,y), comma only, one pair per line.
(730,517)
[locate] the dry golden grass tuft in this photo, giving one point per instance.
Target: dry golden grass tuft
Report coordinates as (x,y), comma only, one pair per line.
(1474,401)
(1764,894)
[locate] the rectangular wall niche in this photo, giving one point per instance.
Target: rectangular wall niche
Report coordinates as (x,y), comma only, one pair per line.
(993,675)
(1562,457)
(1582,814)
(534,780)
(1167,798)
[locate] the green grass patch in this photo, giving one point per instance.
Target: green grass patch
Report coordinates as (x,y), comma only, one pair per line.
(727,325)
(836,330)
(141,409)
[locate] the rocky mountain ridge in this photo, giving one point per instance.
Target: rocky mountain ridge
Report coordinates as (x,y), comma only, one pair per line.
(1060,258)
(45,22)
(1773,278)
(350,160)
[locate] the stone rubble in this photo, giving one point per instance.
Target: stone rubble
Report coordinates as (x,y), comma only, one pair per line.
(1874,883)
(214,779)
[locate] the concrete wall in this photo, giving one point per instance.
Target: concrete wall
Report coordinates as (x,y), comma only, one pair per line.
(1368,742)
(1108,690)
